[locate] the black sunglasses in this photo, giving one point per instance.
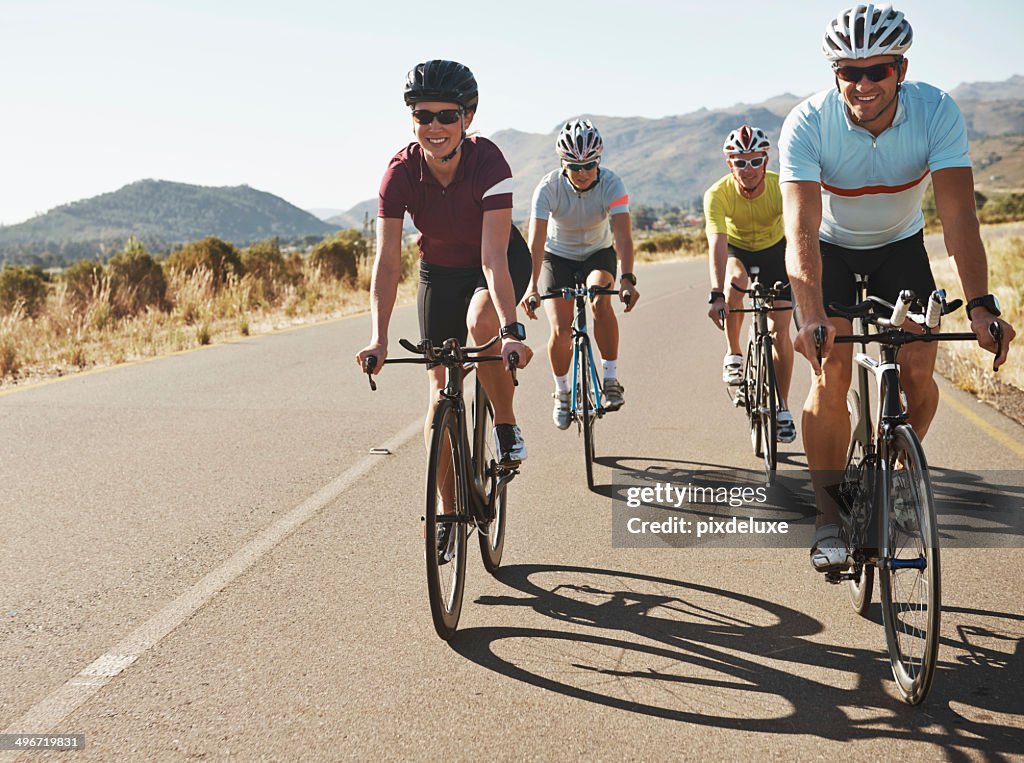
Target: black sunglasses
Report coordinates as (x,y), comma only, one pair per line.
(578,167)
(875,73)
(444,116)
(739,164)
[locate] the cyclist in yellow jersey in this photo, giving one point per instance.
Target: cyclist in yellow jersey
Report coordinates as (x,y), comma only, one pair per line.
(744,227)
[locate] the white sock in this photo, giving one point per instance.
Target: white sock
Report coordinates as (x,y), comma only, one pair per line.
(611,368)
(562,383)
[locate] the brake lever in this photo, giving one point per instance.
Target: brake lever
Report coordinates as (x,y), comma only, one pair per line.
(370,363)
(820,333)
(721,317)
(513,364)
(996,332)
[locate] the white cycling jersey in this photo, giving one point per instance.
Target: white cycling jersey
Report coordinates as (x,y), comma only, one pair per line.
(871,187)
(578,221)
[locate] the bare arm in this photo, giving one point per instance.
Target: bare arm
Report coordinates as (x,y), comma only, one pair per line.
(387,271)
(622,232)
(954,199)
(537,236)
(494,260)
(801,209)
(718,256)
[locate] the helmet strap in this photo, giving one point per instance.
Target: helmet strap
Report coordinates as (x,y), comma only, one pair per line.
(448,157)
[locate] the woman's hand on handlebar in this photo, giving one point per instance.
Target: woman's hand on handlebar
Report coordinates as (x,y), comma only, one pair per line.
(510,345)
(530,302)
(378,350)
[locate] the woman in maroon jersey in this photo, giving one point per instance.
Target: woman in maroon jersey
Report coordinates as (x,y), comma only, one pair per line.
(474,264)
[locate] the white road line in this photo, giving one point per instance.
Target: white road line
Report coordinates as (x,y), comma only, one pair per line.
(47,714)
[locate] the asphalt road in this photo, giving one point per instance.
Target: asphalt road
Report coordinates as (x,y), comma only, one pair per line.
(200,559)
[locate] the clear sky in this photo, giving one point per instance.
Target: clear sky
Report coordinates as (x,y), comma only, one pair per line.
(303,98)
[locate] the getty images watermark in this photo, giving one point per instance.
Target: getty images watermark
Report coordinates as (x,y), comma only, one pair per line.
(681,508)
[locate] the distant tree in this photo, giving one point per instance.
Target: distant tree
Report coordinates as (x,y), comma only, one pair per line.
(219,257)
(21,285)
(643,216)
(136,280)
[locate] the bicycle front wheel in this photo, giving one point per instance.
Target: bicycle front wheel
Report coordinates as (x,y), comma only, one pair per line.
(861,587)
(749,387)
(445,521)
(588,409)
(491,537)
(767,408)
(909,581)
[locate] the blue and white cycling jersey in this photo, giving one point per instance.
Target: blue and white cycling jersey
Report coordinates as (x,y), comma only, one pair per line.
(871,187)
(578,221)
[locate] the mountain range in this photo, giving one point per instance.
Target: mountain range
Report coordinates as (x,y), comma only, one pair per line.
(664,162)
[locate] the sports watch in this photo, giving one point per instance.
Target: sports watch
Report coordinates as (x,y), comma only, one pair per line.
(713,295)
(515,330)
(629,277)
(988,301)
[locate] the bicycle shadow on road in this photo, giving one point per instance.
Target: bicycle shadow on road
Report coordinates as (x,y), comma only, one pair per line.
(713,657)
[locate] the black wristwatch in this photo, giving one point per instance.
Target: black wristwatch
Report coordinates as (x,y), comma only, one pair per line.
(629,277)
(514,330)
(712,296)
(989,302)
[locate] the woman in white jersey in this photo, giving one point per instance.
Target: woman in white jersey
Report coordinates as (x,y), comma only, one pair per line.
(570,232)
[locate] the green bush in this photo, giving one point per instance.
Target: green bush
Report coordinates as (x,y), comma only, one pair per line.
(83,281)
(22,285)
(136,280)
(219,257)
(339,255)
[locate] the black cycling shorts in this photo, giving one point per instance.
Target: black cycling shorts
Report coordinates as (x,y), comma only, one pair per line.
(445,293)
(891,268)
(771,263)
(557,272)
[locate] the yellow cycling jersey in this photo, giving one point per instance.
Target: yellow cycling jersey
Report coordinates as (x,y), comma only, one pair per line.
(750,224)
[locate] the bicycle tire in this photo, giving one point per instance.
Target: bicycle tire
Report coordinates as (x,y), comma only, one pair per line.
(491,537)
(861,588)
(768,392)
(588,412)
(446,581)
(750,396)
(911,595)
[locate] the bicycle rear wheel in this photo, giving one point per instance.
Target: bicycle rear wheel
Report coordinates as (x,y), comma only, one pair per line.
(588,410)
(445,522)
(491,537)
(860,589)
(767,408)
(910,579)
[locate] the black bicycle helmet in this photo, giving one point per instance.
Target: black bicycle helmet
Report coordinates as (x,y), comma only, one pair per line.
(439,80)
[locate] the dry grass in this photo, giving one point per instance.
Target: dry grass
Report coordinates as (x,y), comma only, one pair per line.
(67,337)
(969,367)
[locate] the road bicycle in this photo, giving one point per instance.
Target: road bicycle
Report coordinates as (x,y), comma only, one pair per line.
(885,497)
(586,402)
(758,392)
(466,486)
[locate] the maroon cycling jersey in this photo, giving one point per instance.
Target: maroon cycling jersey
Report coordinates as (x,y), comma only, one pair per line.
(450,220)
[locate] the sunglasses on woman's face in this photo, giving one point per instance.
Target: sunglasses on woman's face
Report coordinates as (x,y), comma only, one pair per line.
(444,116)
(740,164)
(875,73)
(580,167)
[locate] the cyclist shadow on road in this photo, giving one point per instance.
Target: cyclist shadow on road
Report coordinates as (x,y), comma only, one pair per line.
(713,657)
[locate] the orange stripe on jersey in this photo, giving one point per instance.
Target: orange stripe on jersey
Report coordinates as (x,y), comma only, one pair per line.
(619,201)
(872,189)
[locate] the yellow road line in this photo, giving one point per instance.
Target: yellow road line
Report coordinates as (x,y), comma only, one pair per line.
(140,361)
(1015,445)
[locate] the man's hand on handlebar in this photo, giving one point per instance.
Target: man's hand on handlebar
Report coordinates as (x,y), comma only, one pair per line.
(511,345)
(378,350)
(530,302)
(628,294)
(718,311)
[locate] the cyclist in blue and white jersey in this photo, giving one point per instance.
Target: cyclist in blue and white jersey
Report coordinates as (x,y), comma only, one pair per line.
(569,232)
(855,162)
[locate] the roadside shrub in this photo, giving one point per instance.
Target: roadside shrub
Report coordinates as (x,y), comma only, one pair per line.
(136,280)
(24,286)
(219,257)
(338,256)
(265,266)
(83,280)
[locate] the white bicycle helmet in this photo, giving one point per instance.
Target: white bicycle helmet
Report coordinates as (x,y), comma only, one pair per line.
(746,140)
(867,30)
(579,141)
